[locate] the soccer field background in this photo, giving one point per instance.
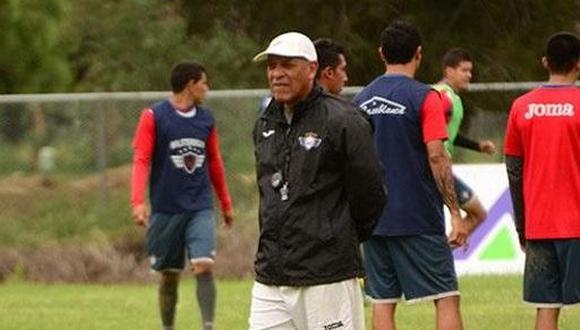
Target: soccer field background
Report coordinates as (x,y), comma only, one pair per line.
(488,302)
(72,223)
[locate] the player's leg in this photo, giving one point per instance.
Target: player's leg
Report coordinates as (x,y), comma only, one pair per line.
(337,305)
(168,298)
(427,273)
(268,309)
(476,214)
(200,240)
(382,285)
(206,298)
(468,201)
(547,318)
(447,313)
(383,316)
(166,251)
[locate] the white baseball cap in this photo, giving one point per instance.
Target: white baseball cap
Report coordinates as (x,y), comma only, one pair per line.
(290,44)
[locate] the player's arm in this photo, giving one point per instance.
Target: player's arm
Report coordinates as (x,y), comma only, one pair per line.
(143,145)
(363,178)
(515,171)
(218,177)
(514,151)
(440,164)
(434,133)
(486,146)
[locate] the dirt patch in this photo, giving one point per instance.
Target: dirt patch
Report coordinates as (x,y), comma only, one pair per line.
(121,262)
(111,178)
(91,263)
(106,261)
(25,186)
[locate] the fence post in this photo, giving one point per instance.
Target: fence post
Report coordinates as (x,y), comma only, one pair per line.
(102,156)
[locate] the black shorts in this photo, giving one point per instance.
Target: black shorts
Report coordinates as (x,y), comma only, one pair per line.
(173,237)
(462,190)
(419,267)
(552,273)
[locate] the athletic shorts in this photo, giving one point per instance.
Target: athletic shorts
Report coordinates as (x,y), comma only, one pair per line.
(323,307)
(173,237)
(552,273)
(462,191)
(417,267)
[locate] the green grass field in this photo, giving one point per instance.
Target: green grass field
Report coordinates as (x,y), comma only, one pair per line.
(490,302)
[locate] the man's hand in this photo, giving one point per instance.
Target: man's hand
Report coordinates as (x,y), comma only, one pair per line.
(487,146)
(459,232)
(228,218)
(141,215)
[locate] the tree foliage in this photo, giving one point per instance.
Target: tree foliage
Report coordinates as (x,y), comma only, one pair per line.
(132,45)
(124,45)
(505,37)
(112,45)
(33,58)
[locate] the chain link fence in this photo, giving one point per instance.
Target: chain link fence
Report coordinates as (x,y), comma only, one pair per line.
(65,168)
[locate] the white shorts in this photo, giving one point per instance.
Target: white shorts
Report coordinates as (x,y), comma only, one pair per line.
(320,307)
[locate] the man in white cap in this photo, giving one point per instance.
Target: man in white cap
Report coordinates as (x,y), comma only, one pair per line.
(321,192)
(332,74)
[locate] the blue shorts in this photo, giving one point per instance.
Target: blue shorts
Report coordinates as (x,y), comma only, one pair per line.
(171,236)
(462,191)
(419,267)
(552,272)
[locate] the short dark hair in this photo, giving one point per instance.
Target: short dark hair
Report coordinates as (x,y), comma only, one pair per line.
(562,52)
(328,52)
(454,56)
(184,72)
(399,42)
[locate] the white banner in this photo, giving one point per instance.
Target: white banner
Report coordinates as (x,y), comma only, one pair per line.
(493,247)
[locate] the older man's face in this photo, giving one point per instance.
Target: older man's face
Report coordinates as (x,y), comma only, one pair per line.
(290,79)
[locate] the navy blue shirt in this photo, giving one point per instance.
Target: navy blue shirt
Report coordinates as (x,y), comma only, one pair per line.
(179,175)
(394,104)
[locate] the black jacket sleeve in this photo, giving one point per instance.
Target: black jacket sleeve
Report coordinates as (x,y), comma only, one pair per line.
(462,141)
(515,173)
(363,177)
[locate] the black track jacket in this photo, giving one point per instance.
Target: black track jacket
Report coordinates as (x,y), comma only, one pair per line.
(335,191)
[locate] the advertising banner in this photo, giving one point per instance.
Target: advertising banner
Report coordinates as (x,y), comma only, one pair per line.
(493,247)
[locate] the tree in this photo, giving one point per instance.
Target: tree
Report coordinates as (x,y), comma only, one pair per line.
(505,37)
(133,44)
(124,45)
(32,57)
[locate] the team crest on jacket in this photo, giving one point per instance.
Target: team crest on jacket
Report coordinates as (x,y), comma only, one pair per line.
(187,154)
(309,140)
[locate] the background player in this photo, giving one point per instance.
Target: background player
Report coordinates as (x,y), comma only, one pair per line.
(542,149)
(457,67)
(409,253)
(177,139)
(331,74)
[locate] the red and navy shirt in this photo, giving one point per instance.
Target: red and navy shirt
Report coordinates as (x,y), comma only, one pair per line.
(179,147)
(406,115)
(544,130)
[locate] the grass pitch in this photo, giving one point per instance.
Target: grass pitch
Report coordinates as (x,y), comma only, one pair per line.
(488,302)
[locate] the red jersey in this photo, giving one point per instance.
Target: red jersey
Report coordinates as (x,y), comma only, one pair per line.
(544,130)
